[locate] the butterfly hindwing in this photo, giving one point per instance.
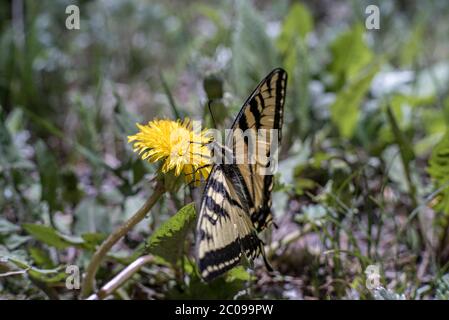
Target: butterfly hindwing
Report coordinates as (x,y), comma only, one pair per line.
(225,231)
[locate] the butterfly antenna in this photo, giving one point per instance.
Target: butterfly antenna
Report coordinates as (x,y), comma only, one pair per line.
(211,114)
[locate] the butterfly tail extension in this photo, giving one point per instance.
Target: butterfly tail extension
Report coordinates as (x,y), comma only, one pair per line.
(265,259)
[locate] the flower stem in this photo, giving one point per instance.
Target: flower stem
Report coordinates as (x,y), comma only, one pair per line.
(88,281)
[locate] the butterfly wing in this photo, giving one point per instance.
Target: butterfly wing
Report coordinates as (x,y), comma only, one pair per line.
(224,231)
(237,198)
(262,110)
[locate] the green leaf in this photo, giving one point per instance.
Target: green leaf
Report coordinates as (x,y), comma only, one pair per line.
(238,273)
(90,155)
(443,288)
(7,227)
(168,241)
(70,190)
(413,45)
(296,25)
(51,237)
(405,151)
(253,52)
(345,111)
(14,241)
(399,102)
(9,154)
(18,259)
(48,173)
(404,145)
(92,217)
(55,275)
(15,121)
(225,287)
(439,170)
(439,161)
(171,100)
(125,121)
(40,257)
(381,293)
(296,61)
(93,239)
(350,55)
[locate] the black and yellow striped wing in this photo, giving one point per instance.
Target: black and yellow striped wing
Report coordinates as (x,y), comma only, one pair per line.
(263,110)
(237,199)
(225,231)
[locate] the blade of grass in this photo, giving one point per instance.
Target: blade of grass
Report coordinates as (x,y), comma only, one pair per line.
(47,125)
(406,153)
(170,98)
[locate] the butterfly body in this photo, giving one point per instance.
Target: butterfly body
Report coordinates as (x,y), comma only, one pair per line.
(236,202)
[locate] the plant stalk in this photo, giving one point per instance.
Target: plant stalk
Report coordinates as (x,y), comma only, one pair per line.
(97,258)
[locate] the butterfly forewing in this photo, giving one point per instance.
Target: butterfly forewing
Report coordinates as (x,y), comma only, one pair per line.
(262,114)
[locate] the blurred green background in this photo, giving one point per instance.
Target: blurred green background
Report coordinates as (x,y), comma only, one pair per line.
(364,172)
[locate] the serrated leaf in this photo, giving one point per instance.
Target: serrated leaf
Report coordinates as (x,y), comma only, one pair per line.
(439,170)
(439,161)
(168,241)
(402,103)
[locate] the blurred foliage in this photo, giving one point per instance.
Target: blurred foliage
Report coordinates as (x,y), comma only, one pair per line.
(439,170)
(364,162)
(443,288)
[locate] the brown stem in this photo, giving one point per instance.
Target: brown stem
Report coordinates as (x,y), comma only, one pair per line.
(88,281)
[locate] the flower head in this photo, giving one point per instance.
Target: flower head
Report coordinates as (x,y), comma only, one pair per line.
(181,148)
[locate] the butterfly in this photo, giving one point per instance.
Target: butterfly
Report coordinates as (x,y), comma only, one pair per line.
(236,202)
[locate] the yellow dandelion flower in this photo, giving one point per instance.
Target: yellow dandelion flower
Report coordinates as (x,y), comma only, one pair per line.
(180,147)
